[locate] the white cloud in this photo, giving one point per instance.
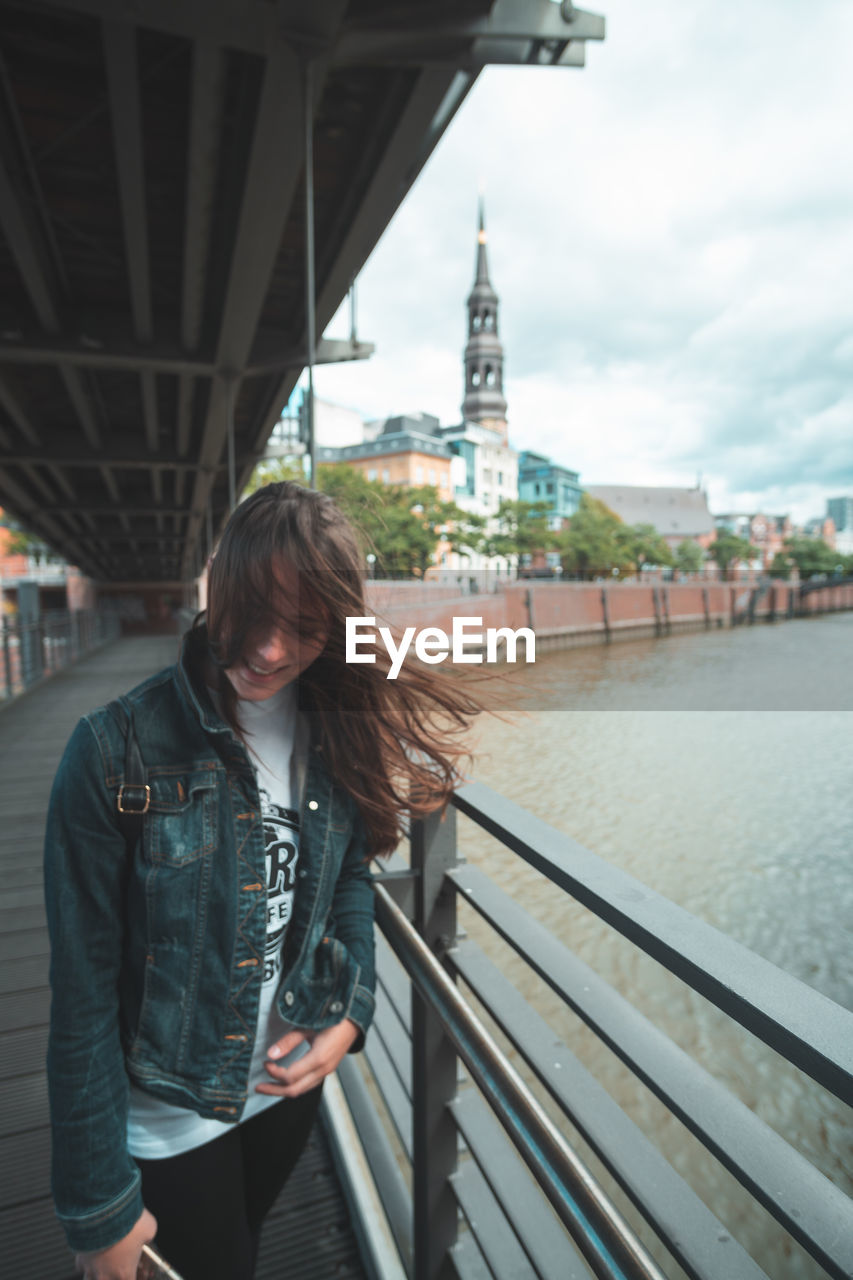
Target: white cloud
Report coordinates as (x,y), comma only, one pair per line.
(669,233)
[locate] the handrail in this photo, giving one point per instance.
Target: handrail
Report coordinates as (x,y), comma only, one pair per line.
(453,1135)
(808,1029)
(609,1245)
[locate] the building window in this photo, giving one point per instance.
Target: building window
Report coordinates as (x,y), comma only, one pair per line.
(475,323)
(549,488)
(500,477)
(431,476)
(475,377)
(490,376)
(386,476)
(536,489)
(372,473)
(489,320)
(419,475)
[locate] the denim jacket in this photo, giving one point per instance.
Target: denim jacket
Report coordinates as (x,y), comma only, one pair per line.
(157,960)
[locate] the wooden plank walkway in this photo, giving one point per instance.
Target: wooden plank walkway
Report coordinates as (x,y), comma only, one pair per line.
(308,1235)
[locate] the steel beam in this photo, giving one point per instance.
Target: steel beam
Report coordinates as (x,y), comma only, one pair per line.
(16,411)
(149,410)
(252,26)
(94,353)
(17,500)
(508,23)
(30,259)
(202,159)
(123,84)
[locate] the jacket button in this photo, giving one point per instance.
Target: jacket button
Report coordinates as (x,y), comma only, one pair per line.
(312,804)
(289,998)
(336,1007)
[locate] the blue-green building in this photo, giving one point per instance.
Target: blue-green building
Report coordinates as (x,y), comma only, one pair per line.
(541,480)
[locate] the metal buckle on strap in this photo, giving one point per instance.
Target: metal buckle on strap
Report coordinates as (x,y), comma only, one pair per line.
(130,787)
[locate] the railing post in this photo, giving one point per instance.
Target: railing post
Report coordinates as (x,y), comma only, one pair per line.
(434,1067)
(7,658)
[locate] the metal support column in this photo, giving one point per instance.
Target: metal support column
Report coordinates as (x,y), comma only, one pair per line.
(434,1064)
(310,312)
(232,461)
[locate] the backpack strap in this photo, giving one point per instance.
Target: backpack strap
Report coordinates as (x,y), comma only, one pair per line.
(134,794)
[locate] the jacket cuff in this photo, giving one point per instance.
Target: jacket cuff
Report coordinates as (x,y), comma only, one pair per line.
(109,1224)
(360,1012)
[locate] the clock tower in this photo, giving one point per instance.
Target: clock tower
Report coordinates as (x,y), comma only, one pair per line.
(484,401)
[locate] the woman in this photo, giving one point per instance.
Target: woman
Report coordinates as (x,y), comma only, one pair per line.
(207,978)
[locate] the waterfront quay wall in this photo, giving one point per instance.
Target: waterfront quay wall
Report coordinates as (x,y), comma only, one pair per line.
(564,614)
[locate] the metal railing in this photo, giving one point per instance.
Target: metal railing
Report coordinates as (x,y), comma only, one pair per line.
(459,1200)
(32,650)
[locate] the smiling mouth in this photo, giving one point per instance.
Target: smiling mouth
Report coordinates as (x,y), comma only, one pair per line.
(259,671)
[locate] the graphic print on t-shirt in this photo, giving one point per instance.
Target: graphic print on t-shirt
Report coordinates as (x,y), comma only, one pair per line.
(281,827)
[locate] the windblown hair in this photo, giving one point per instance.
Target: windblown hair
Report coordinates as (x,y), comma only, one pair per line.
(395,745)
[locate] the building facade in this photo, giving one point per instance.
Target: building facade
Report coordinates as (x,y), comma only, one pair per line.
(840,512)
(405,450)
(541,480)
(678,515)
(766,533)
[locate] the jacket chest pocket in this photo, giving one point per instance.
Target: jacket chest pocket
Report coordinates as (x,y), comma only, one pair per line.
(181,823)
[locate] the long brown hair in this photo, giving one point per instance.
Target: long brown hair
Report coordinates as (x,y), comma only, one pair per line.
(395,745)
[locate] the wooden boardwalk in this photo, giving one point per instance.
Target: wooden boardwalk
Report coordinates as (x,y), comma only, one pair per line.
(309,1234)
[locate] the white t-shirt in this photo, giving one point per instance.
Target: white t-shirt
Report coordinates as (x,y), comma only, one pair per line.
(157,1129)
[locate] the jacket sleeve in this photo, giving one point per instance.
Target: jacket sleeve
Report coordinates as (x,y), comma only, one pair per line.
(353,910)
(96,1185)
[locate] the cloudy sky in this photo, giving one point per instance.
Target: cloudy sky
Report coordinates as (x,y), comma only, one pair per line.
(671,236)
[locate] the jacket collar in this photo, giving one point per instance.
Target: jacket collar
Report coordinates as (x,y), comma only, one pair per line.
(190,678)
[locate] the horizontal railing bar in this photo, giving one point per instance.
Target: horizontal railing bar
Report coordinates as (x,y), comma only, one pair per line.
(396,1101)
(393,977)
(467,1260)
(797,1021)
(809,1206)
(698,1240)
(539,1232)
(488,1224)
(610,1247)
(390,1183)
(397,1043)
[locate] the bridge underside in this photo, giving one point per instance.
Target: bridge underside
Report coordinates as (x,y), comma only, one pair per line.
(152,256)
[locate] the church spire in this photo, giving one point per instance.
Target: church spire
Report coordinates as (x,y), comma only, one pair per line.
(482,273)
(484,400)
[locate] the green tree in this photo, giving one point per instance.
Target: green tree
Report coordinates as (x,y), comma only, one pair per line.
(400,526)
(271,470)
(642,545)
(689,556)
(20,542)
(728,549)
(590,545)
(811,556)
(781,565)
(519,528)
(467,533)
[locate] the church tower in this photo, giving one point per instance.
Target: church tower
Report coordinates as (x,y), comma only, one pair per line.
(484,401)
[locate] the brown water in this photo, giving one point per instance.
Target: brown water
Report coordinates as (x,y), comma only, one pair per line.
(717,768)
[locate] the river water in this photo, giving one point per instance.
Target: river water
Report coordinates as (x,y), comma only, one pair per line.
(717,768)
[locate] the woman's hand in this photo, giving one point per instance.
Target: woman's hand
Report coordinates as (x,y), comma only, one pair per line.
(121,1260)
(327,1049)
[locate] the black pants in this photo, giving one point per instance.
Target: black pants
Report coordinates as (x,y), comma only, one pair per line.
(210,1202)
